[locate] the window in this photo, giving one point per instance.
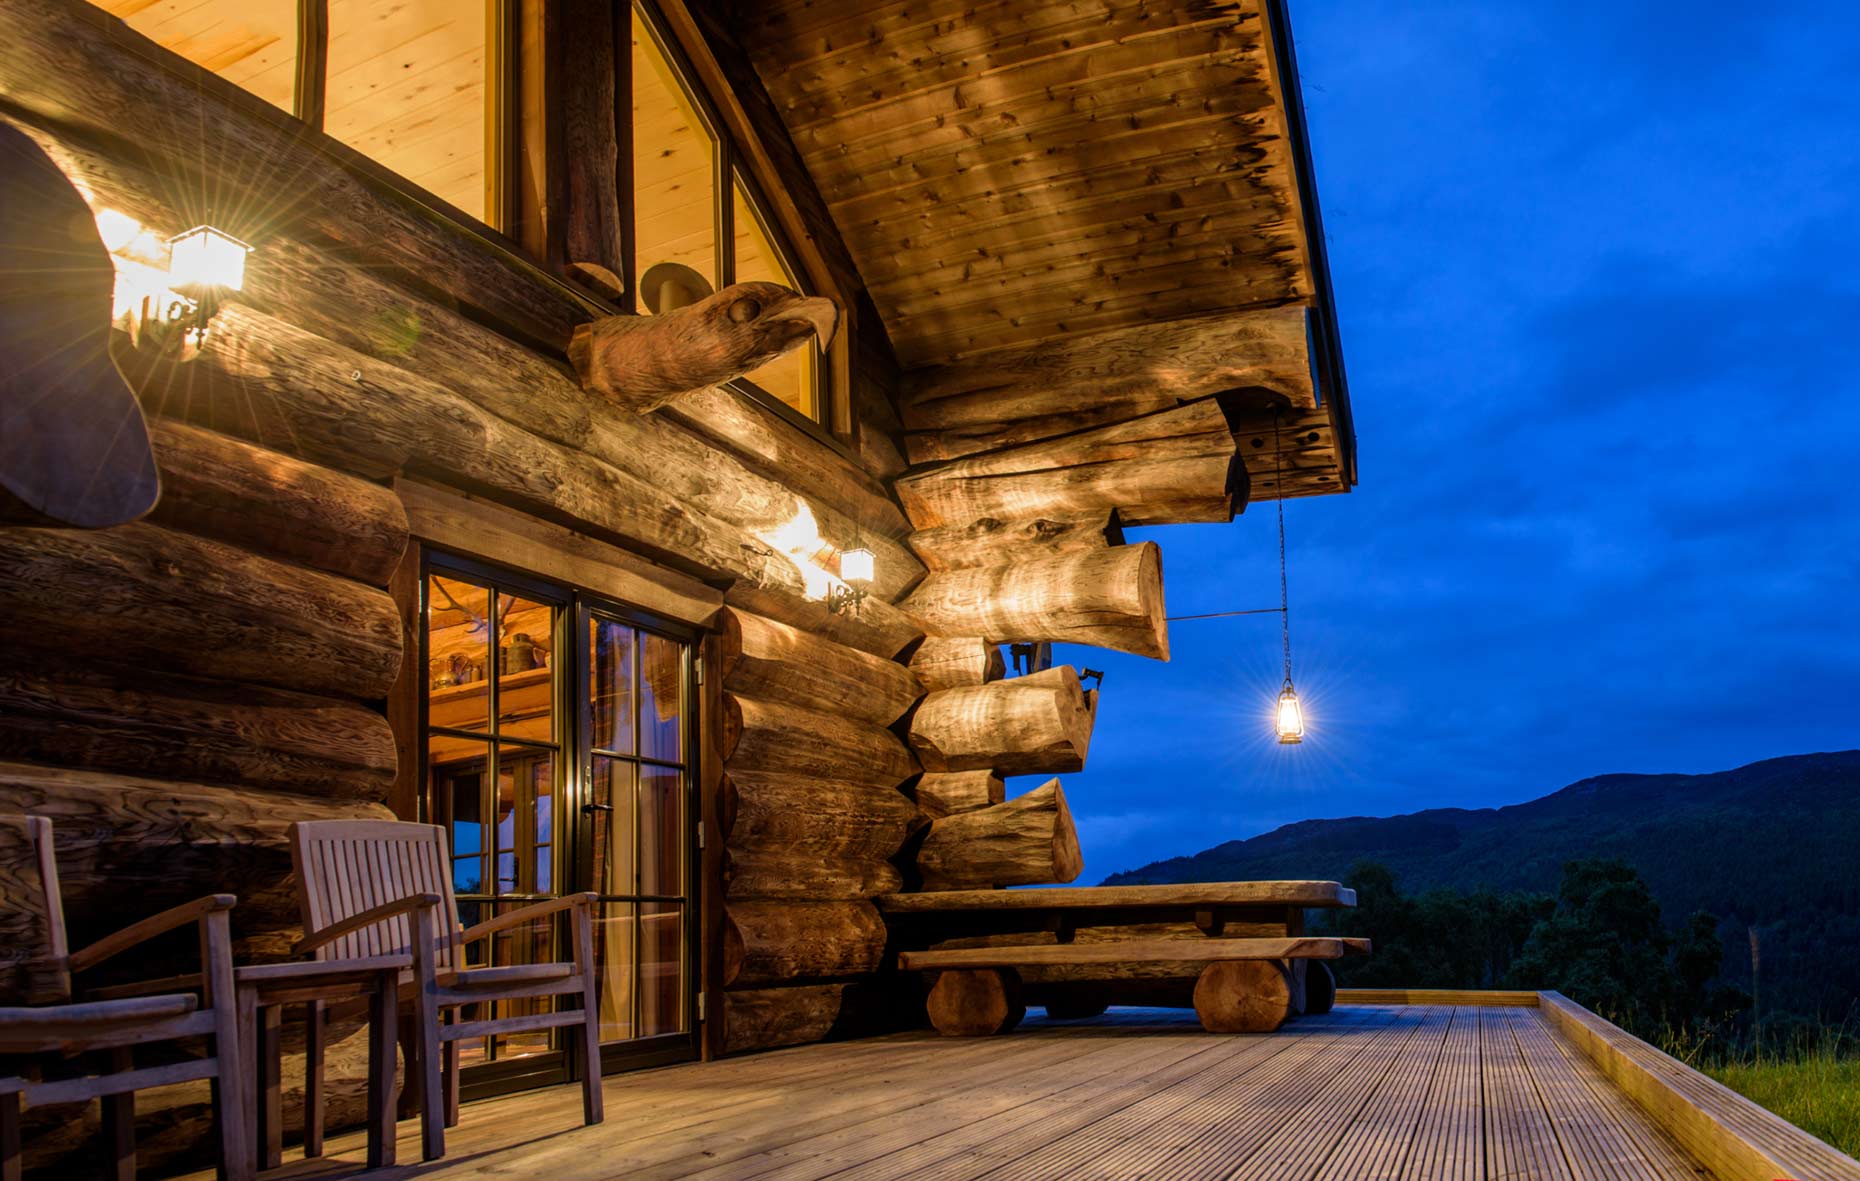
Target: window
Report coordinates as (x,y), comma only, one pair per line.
(682,210)
(413,85)
(558,759)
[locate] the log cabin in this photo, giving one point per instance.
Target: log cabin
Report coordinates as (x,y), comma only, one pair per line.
(635,433)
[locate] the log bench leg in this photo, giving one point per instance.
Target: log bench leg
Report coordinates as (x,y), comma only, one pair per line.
(975,1002)
(1243,996)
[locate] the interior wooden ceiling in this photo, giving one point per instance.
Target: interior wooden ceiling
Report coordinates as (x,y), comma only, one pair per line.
(1006,172)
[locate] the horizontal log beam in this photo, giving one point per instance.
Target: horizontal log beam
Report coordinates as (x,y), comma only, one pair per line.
(130,846)
(1028,841)
(945,662)
(142,594)
(1076,382)
(805,812)
(1103,598)
(786,942)
(1171,466)
(989,541)
(276,505)
(770,660)
(765,1018)
(150,723)
(948,793)
(774,738)
(805,873)
(1025,725)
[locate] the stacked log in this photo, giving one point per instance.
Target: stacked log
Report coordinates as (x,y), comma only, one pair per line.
(1029,840)
(946,662)
(1033,724)
(812,816)
(947,793)
(1108,598)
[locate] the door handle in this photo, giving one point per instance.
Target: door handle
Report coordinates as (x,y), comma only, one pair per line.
(597,807)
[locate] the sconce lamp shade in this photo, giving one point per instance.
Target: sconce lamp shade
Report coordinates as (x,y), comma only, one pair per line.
(1291,717)
(205,259)
(856,565)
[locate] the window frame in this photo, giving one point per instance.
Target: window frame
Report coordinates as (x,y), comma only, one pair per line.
(730,161)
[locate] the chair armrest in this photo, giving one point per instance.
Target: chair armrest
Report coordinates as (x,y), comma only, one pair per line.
(525,914)
(368,918)
(148,928)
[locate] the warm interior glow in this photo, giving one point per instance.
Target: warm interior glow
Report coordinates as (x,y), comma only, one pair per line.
(204,257)
(798,540)
(251,43)
(793,377)
(1291,719)
(674,166)
(856,565)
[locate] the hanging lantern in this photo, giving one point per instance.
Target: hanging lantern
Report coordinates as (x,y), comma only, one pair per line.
(1291,716)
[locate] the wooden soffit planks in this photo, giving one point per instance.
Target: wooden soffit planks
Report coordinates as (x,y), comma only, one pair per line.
(1006,173)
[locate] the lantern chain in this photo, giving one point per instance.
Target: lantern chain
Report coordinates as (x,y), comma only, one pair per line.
(1278,487)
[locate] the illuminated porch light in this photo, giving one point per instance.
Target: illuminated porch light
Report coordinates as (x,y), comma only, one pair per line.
(856,565)
(206,260)
(203,265)
(1291,716)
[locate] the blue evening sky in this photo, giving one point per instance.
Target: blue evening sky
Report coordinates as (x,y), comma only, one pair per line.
(1598,272)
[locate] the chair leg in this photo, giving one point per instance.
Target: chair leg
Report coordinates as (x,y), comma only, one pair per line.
(10,1165)
(314,1034)
(237,1091)
(119,1121)
(230,1049)
(452,1076)
(591,1109)
(407,1100)
(271,1083)
(432,1096)
(384,1008)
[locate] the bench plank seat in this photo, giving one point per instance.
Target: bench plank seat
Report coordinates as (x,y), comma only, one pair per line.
(1187,951)
(1186,895)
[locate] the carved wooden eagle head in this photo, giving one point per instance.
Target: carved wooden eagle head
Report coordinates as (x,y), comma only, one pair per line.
(643,362)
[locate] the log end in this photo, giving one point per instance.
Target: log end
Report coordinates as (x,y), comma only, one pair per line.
(975,1002)
(1243,996)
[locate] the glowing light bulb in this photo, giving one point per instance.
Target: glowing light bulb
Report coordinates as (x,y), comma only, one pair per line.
(205,259)
(1291,717)
(856,565)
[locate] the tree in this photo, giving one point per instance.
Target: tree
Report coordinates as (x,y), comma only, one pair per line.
(1603,945)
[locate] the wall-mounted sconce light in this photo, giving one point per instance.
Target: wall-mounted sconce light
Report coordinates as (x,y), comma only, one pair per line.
(203,265)
(856,570)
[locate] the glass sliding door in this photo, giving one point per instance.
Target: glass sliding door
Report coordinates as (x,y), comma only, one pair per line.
(637,761)
(558,740)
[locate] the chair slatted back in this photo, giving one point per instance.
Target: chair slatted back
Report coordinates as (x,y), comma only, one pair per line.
(32,915)
(347,867)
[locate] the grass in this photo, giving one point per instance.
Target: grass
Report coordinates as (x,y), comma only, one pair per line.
(1815,1088)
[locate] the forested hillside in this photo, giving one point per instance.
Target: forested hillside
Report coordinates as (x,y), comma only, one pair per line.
(1773,846)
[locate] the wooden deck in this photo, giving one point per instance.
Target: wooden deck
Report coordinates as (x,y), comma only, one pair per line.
(1434,1092)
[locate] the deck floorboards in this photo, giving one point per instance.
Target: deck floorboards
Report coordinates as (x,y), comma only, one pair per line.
(1365,1093)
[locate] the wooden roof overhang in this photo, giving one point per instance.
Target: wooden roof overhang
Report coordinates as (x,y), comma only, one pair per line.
(1073,215)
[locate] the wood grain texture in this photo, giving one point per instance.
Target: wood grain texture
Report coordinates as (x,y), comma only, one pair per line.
(975,1003)
(948,793)
(200,731)
(1040,723)
(1243,996)
(1167,467)
(272,504)
(786,942)
(1027,841)
(773,738)
(1189,895)
(991,541)
(982,169)
(1185,951)
(768,659)
(1110,598)
(804,814)
(809,874)
(949,662)
(170,600)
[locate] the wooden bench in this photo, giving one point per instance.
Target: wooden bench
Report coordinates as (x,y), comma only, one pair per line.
(1256,966)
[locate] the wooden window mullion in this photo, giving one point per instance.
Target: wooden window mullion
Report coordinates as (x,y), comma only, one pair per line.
(312,61)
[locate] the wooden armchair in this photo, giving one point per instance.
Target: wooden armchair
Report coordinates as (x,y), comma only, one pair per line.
(382,887)
(65,1029)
